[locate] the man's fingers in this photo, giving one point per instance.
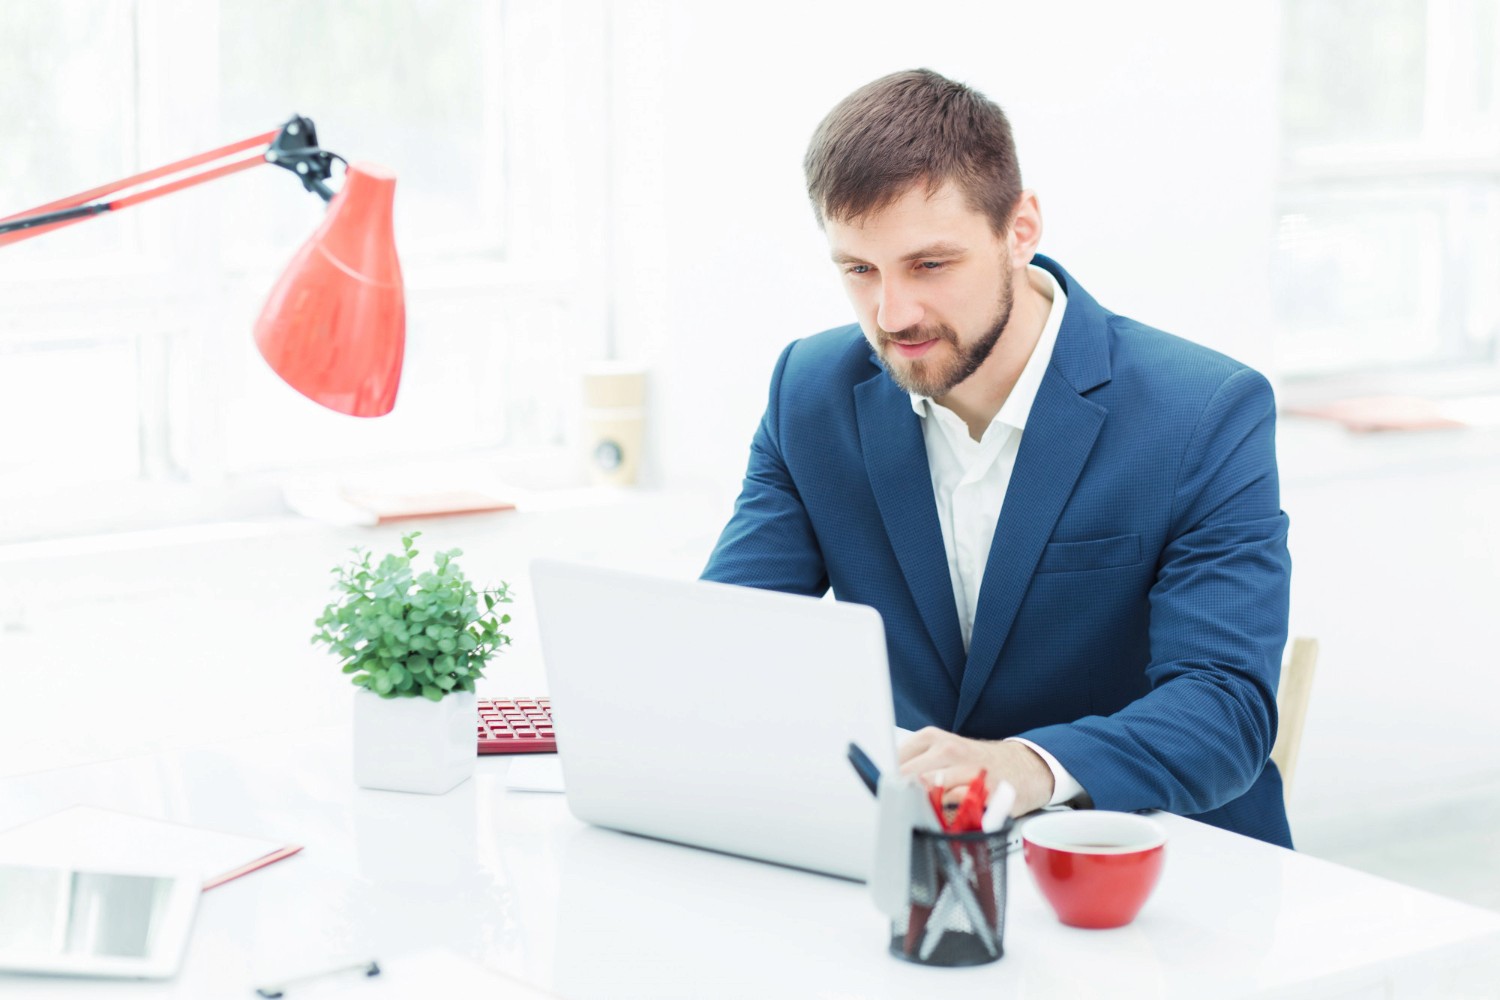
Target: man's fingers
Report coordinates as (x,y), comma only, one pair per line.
(932,748)
(926,762)
(928,741)
(917,743)
(942,769)
(943,760)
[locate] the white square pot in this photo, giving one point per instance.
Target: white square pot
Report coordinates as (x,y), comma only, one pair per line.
(414,744)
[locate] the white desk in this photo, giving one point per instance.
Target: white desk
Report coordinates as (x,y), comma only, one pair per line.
(512,881)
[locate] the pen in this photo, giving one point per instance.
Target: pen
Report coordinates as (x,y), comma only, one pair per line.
(998,811)
(940,917)
(370,968)
(970,817)
(864,767)
(926,892)
(958,884)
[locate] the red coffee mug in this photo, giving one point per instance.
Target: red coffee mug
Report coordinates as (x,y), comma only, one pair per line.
(1096,868)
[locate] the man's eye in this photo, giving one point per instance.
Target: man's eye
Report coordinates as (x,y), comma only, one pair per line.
(859,269)
(932,265)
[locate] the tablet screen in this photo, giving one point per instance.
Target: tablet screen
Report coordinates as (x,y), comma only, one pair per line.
(88,922)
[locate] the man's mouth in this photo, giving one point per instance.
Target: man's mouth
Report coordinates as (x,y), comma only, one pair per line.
(912,350)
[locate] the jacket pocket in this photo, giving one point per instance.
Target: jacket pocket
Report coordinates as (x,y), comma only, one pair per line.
(1096,553)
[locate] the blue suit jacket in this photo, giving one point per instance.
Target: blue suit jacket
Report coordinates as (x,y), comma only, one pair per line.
(1133,610)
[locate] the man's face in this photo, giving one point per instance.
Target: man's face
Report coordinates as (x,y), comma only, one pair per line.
(931,284)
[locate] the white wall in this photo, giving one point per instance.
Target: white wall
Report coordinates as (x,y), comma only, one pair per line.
(1147,129)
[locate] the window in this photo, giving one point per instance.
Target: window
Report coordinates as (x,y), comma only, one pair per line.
(125,347)
(1388,240)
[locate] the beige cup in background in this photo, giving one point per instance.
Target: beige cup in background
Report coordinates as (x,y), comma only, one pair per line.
(614,421)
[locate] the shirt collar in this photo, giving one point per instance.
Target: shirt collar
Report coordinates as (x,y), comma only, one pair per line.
(1017,406)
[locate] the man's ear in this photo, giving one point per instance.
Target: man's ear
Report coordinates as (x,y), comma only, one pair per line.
(1025,233)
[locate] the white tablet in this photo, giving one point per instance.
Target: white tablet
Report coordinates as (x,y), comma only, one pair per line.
(70,922)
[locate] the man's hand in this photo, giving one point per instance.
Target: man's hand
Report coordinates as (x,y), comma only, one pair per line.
(940,756)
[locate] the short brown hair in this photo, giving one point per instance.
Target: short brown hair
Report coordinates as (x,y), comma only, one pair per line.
(909,127)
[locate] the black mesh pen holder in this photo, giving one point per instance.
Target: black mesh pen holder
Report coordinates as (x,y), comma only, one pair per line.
(955,912)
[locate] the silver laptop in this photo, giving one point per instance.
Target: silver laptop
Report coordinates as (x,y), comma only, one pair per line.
(716,716)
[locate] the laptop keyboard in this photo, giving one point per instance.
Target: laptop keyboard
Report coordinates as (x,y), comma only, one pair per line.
(516,725)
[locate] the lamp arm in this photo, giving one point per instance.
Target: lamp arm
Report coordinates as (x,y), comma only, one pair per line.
(294,147)
(51,218)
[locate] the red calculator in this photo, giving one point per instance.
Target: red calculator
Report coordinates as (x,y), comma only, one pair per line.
(516,725)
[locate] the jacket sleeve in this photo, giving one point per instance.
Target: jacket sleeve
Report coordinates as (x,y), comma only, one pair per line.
(769,541)
(1218,621)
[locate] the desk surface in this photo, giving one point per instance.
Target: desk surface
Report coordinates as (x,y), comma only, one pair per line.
(512,881)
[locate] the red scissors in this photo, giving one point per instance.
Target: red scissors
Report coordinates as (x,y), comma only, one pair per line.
(969,814)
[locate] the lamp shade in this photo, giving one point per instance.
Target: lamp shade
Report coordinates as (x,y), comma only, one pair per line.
(334,325)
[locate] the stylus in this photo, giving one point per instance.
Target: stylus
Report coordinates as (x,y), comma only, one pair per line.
(864,767)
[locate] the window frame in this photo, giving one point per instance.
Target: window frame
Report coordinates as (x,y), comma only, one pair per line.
(1444,151)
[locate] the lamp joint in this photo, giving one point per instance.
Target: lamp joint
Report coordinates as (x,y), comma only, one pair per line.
(296,148)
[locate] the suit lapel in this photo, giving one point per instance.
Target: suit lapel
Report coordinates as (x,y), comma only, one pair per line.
(895,456)
(1060,434)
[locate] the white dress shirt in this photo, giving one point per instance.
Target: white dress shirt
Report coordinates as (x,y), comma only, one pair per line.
(969,481)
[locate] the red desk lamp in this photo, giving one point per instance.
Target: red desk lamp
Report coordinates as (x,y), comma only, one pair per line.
(334,325)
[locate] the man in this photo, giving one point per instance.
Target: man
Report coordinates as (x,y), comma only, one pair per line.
(1069,521)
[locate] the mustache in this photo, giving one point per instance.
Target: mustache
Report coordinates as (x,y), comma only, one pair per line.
(918,335)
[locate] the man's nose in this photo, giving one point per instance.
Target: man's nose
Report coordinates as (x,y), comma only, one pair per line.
(899,308)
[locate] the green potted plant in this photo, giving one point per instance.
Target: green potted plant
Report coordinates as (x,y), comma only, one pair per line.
(415,642)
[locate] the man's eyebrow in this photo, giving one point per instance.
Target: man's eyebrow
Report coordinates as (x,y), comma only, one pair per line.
(940,249)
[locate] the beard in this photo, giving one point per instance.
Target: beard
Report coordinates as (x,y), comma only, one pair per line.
(937,377)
